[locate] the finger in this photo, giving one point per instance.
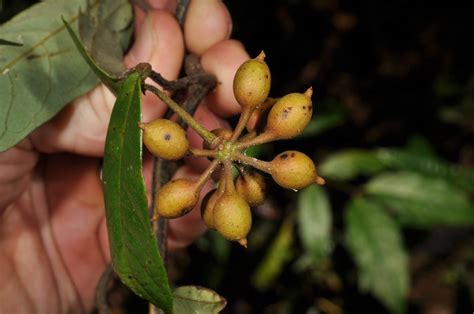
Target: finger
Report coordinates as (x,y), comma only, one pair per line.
(139,11)
(207,23)
(223,60)
(184,230)
(16,165)
(164,50)
(81,126)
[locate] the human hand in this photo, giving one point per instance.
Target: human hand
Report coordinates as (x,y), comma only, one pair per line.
(53,237)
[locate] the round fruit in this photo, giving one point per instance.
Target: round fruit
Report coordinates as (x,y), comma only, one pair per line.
(176,198)
(165,139)
(207,208)
(258,118)
(232,217)
(252,83)
(251,186)
(293,170)
(226,134)
(290,115)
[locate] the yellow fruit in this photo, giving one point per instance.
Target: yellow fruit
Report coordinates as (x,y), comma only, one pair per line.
(258,118)
(226,134)
(176,198)
(232,217)
(293,170)
(252,83)
(290,115)
(207,208)
(165,139)
(251,186)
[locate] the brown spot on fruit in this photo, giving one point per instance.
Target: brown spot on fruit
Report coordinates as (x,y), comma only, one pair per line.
(284,156)
(167,137)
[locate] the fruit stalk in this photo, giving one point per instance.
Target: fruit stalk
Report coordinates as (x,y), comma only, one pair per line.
(195,125)
(261,165)
(258,140)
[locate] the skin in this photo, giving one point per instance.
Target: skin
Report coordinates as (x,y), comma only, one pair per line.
(53,237)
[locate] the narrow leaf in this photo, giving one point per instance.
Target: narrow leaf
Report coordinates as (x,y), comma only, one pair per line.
(419,145)
(198,300)
(109,80)
(374,240)
(350,163)
(45,73)
(278,254)
(315,221)
(426,164)
(135,255)
(322,123)
(422,201)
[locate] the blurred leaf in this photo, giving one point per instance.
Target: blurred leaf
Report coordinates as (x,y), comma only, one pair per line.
(418,144)
(374,240)
(9,43)
(262,231)
(322,123)
(106,36)
(45,73)
(406,160)
(422,201)
(198,300)
(443,87)
(220,247)
(349,163)
(135,255)
(315,221)
(278,254)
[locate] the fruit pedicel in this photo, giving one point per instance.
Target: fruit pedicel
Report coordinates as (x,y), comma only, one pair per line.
(227,208)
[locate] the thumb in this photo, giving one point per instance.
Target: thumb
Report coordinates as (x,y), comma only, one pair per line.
(159,41)
(82,125)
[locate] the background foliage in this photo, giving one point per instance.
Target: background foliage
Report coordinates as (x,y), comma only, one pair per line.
(392,230)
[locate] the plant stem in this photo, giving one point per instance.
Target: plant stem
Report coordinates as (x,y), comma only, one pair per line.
(229,182)
(196,152)
(196,126)
(260,139)
(264,166)
(207,174)
(243,119)
(101,290)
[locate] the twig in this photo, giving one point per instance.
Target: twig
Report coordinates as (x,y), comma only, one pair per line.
(101,290)
(181,9)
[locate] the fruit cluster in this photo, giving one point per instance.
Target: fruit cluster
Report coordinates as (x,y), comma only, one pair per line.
(227,208)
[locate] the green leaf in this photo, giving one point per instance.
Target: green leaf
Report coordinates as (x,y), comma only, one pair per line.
(322,123)
(422,201)
(133,246)
(198,300)
(112,82)
(374,240)
(418,144)
(278,254)
(349,163)
(315,221)
(425,164)
(39,78)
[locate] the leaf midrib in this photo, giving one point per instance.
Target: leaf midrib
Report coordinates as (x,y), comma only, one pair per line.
(41,42)
(121,162)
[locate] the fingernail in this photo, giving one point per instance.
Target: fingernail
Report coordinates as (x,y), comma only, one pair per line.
(145,41)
